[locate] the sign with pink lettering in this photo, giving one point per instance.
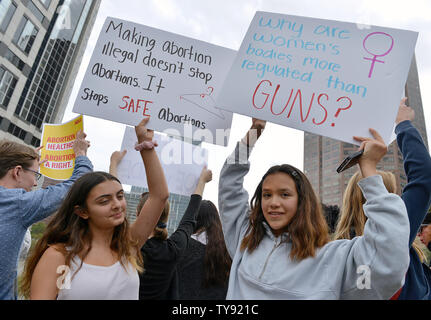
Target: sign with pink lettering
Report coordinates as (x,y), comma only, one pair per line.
(137,71)
(331,78)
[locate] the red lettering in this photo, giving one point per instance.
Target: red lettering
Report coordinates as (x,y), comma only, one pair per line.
(285,106)
(145,107)
(294,100)
(132,105)
(264,93)
(326,112)
(298,99)
(125,101)
(348,107)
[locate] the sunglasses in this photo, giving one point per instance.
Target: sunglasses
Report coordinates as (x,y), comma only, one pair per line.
(37,175)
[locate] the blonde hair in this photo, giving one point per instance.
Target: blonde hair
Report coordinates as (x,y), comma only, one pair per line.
(352,217)
(417,247)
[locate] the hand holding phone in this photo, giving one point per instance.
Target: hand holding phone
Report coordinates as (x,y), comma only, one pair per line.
(350,161)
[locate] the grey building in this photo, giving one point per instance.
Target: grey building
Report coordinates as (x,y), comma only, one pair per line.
(323,155)
(178,205)
(41,46)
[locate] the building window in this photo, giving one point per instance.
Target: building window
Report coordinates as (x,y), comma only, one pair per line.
(36,12)
(7,9)
(45,3)
(13,58)
(35,142)
(16,131)
(7,86)
(25,35)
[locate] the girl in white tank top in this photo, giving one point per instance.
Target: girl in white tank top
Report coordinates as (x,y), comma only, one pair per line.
(103,257)
(93,282)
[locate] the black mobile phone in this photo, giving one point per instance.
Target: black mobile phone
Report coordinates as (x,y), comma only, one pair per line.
(350,161)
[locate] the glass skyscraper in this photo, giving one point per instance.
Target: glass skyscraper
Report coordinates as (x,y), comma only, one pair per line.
(41,46)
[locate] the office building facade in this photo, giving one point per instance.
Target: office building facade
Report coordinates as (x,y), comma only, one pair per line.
(178,205)
(323,155)
(41,46)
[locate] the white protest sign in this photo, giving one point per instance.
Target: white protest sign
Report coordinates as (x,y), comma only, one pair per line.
(137,71)
(330,78)
(182,163)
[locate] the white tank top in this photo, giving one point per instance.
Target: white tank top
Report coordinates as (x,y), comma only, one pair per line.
(99,283)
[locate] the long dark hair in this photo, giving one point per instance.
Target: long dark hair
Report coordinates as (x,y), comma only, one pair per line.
(70,231)
(217,261)
(307,229)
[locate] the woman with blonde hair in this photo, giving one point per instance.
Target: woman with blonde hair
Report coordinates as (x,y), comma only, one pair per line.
(416,196)
(352,217)
(280,243)
(89,251)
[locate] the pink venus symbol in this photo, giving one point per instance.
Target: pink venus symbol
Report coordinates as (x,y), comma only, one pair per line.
(374,58)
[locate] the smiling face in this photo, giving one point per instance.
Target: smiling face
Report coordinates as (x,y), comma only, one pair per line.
(279,201)
(106,205)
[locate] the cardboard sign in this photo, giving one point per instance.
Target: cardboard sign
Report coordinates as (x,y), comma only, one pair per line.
(137,71)
(182,163)
(331,78)
(57,141)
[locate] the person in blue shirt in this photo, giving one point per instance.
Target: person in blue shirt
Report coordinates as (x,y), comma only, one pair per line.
(417,198)
(20,207)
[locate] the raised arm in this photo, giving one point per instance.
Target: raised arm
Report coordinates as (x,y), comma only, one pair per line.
(417,166)
(157,186)
(382,253)
(116,158)
(179,240)
(233,198)
(37,205)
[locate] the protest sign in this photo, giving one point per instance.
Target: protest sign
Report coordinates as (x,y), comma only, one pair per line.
(331,78)
(57,141)
(137,71)
(182,163)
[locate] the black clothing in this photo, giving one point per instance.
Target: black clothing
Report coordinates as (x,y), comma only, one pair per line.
(160,278)
(191,273)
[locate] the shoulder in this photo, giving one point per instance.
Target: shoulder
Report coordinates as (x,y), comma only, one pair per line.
(55,254)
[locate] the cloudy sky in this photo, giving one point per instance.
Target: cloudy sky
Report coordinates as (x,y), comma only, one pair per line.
(224,23)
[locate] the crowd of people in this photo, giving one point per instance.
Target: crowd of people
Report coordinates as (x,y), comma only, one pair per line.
(282,244)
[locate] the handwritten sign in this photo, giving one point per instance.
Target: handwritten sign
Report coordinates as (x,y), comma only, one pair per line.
(182,163)
(57,141)
(330,78)
(137,71)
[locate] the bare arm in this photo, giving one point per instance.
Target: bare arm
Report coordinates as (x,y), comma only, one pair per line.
(157,186)
(44,280)
(116,158)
